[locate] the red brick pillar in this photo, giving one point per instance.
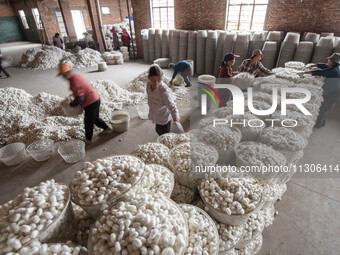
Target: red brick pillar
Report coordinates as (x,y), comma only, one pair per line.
(68,20)
(94,13)
(142,20)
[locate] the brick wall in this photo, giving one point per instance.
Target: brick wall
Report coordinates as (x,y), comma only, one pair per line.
(10,30)
(302,16)
(5,9)
(142,20)
(200,14)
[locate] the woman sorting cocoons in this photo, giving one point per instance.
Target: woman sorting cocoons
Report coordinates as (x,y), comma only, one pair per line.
(162,106)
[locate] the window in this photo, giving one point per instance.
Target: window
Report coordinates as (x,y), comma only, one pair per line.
(37,19)
(106,10)
(246,14)
(23,19)
(79,24)
(163,13)
(61,24)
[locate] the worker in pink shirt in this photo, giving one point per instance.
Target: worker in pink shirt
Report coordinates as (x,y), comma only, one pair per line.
(88,98)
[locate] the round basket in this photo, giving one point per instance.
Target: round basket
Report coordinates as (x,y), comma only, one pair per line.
(212,223)
(41,150)
(13,154)
(228,156)
(234,219)
(90,244)
(72,151)
(120,121)
(94,210)
(232,251)
(243,243)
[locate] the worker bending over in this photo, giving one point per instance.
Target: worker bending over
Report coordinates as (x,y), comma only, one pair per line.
(88,98)
(253,65)
(331,71)
(184,69)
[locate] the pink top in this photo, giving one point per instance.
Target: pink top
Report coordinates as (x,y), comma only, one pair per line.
(81,87)
(161,104)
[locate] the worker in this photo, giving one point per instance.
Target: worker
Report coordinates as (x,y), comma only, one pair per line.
(87,38)
(253,65)
(57,41)
(115,39)
(87,97)
(162,108)
(126,39)
(1,68)
(226,70)
(331,71)
(184,69)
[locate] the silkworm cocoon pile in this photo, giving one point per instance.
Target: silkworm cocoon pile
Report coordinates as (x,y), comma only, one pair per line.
(249,249)
(257,154)
(152,153)
(84,222)
(315,90)
(223,111)
(145,224)
(258,241)
(283,139)
(229,235)
(182,194)
(261,96)
(242,121)
(254,226)
(286,73)
(302,120)
(37,248)
(297,65)
(106,179)
(203,237)
(268,87)
(203,155)
(268,215)
(258,105)
(271,80)
(157,179)
(221,137)
(231,195)
(29,214)
(182,138)
(167,139)
(206,122)
(179,158)
(194,135)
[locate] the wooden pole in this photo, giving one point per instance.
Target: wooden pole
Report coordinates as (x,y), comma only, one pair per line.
(133,48)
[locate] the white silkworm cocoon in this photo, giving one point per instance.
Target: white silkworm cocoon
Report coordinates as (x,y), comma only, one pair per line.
(253,226)
(29,213)
(182,138)
(152,153)
(158,227)
(167,139)
(229,235)
(106,178)
(203,237)
(182,194)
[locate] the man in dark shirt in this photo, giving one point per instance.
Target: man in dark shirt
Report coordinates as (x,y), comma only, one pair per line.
(331,71)
(184,69)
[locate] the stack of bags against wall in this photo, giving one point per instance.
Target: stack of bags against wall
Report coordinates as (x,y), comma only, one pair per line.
(174,45)
(304,52)
(323,49)
(311,37)
(257,41)
(210,49)
(276,36)
(200,53)
(241,48)
(288,48)
(113,58)
(219,52)
(269,51)
(165,43)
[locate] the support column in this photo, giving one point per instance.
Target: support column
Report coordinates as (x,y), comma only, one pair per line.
(94,12)
(68,20)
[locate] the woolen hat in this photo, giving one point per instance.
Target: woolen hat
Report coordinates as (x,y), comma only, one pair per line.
(335,58)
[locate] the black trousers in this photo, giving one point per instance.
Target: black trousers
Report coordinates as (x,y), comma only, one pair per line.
(328,101)
(163,129)
(92,118)
(3,70)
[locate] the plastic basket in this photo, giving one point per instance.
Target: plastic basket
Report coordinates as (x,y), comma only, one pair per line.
(41,150)
(143,111)
(120,121)
(13,154)
(72,151)
(94,210)
(212,223)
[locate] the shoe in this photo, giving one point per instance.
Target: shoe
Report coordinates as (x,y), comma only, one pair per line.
(106,131)
(87,141)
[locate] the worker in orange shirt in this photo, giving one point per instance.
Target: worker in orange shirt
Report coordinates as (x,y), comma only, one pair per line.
(88,98)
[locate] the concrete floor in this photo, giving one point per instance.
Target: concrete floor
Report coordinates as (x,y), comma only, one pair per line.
(309,213)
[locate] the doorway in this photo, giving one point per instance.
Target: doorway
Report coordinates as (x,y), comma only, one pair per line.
(79,24)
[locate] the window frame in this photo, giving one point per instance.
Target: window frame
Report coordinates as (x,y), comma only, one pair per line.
(254,4)
(167,7)
(101,8)
(37,18)
(22,16)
